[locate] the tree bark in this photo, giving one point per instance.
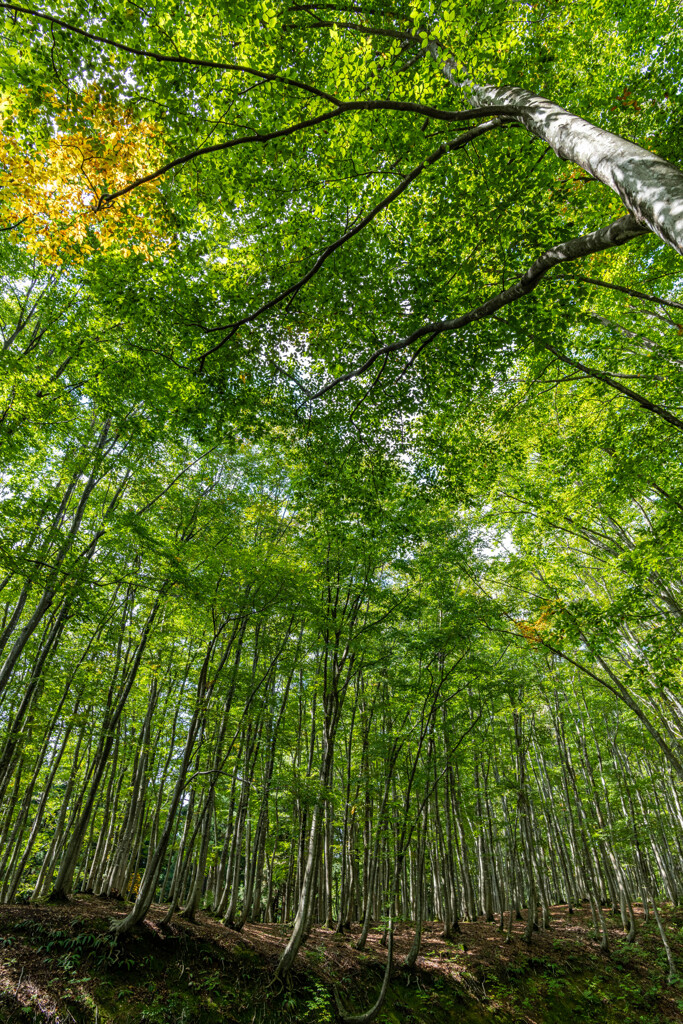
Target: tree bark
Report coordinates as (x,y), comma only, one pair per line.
(650,187)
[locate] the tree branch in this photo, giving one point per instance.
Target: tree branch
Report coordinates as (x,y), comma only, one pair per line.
(442,150)
(368,30)
(617,233)
(280,133)
(167,57)
(11,227)
(606,378)
(650,187)
(626,291)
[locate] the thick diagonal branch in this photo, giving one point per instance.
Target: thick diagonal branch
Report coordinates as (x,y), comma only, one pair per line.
(617,233)
(608,379)
(632,292)
(292,290)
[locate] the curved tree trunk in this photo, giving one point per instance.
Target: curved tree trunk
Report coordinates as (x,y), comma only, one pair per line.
(307,886)
(650,187)
(369,1015)
(149,880)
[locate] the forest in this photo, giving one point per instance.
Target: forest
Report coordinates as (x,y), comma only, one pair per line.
(341,511)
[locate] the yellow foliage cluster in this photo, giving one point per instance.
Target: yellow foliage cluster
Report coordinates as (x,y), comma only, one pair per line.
(133,885)
(534,632)
(53,191)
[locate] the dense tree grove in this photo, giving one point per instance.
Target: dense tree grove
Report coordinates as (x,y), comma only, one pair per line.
(342,460)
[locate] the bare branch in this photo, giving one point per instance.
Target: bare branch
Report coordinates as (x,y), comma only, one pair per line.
(11,227)
(608,379)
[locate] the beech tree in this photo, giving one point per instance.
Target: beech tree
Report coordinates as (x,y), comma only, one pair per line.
(340,453)
(339,100)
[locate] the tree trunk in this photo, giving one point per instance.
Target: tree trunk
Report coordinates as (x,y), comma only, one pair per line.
(650,187)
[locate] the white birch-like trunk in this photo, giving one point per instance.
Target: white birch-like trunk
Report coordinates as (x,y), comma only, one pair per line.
(650,187)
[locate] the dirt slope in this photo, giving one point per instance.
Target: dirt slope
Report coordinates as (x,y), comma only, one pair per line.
(59,964)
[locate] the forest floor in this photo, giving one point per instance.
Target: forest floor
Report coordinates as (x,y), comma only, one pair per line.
(59,964)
